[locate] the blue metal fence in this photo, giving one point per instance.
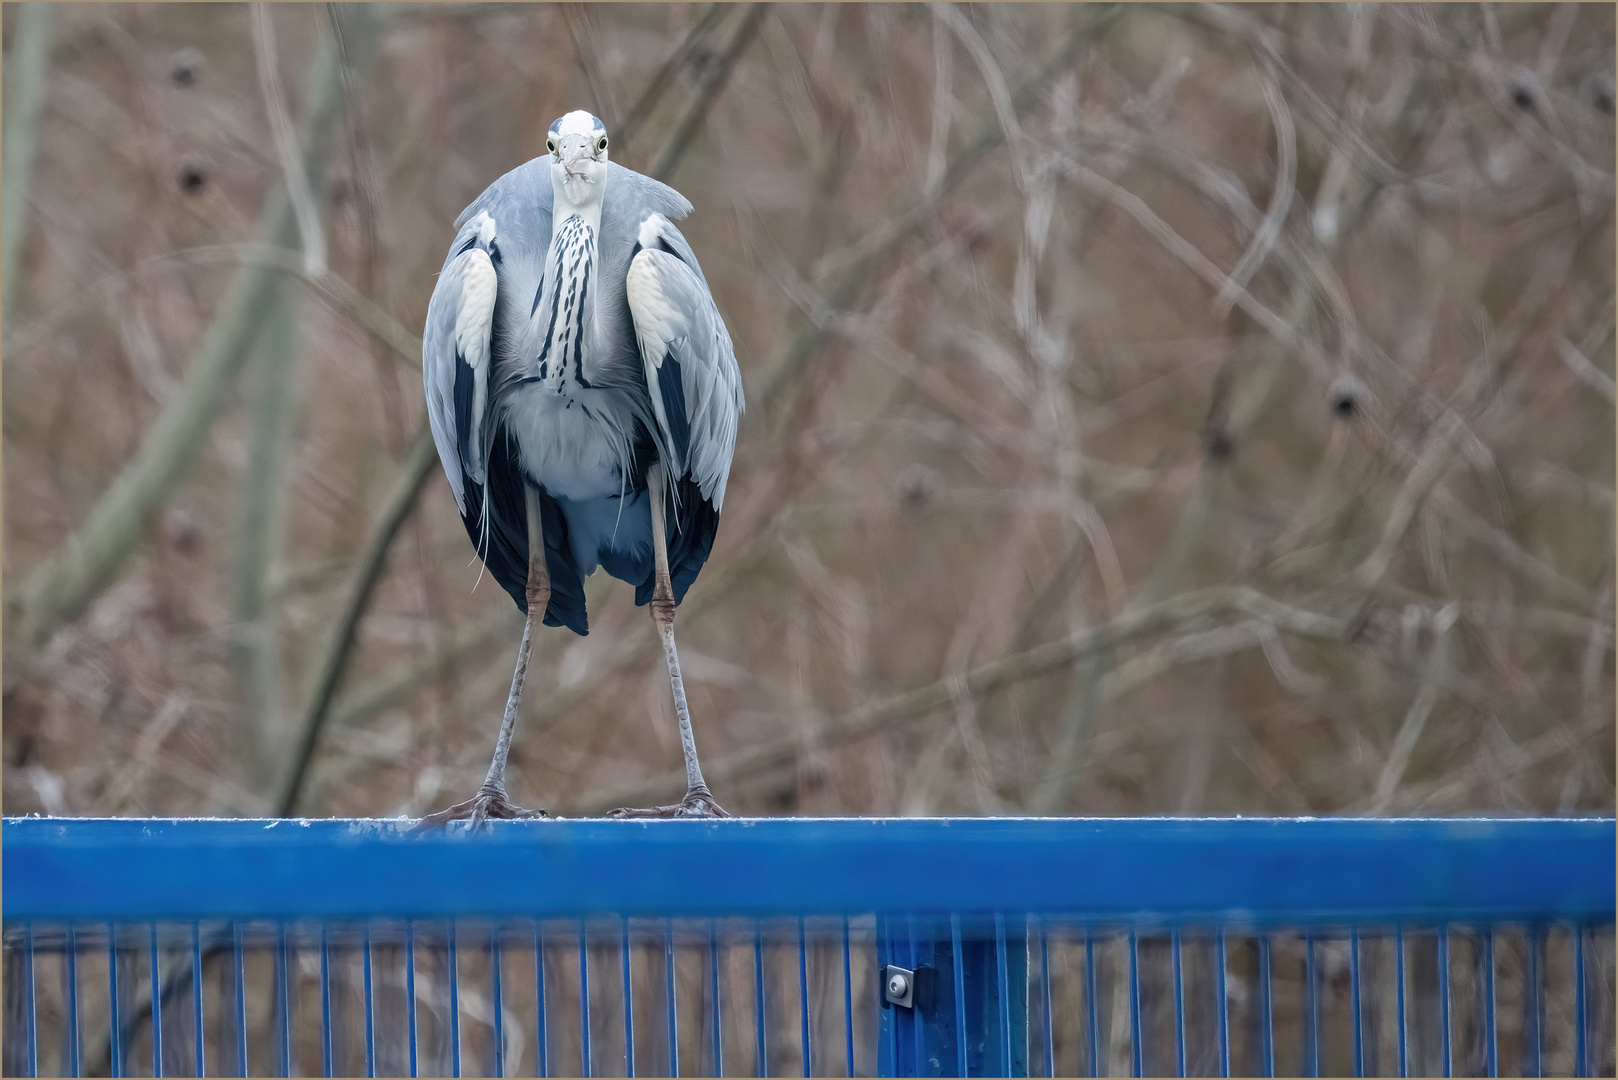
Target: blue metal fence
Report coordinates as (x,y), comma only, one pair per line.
(813,947)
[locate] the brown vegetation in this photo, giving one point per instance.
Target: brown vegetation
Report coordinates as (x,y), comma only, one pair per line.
(1152,410)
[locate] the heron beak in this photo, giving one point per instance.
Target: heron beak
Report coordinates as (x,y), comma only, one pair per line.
(575,152)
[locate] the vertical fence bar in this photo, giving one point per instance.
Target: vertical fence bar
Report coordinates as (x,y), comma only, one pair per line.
(918,1032)
(239,963)
(758,1000)
(1354,1000)
(1311,997)
(410,988)
(803,999)
(718,1002)
(1221,1003)
(115,1018)
(325,1003)
(1136,1056)
(848,999)
(1179,1005)
(1266,1011)
(284,989)
(1045,1007)
(669,995)
(30,1018)
(1581,1042)
(1399,972)
(452,953)
(370,1009)
(629,1003)
(1004,984)
(1491,1048)
(584,1001)
(196,994)
(499,1001)
(1534,1003)
(887,1039)
(960,993)
(72,976)
(157,1009)
(1090,1002)
(1443,998)
(542,1057)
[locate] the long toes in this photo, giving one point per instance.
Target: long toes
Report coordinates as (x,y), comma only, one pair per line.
(457,812)
(697,806)
(508,812)
(478,810)
(677,810)
(502,810)
(639,812)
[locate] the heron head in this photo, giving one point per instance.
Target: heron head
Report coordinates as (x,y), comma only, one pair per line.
(578,146)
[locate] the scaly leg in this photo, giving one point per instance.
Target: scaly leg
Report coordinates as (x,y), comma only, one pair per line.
(698,801)
(491,801)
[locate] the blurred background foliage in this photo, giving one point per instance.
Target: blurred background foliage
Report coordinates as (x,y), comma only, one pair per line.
(1198,410)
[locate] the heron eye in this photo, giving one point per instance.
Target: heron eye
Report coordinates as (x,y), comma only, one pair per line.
(601,145)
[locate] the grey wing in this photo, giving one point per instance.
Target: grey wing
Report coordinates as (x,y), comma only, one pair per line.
(456,359)
(691,372)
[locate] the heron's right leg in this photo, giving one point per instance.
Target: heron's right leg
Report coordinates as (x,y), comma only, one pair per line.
(491,801)
(698,801)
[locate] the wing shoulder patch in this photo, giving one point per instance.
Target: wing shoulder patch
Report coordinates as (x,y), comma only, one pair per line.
(658,322)
(474,320)
(659,326)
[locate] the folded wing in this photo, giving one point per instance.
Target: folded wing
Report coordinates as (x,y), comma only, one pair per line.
(691,374)
(456,356)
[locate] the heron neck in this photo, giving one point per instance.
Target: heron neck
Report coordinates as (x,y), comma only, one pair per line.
(587,208)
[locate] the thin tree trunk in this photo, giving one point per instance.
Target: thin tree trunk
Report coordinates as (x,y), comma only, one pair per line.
(26,67)
(254,642)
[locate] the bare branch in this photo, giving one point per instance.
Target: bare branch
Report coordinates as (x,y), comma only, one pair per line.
(1286,177)
(1428,469)
(1432,685)
(1204,267)
(286,143)
(1184,612)
(782,369)
(1585,371)
(627,128)
(395,510)
(718,73)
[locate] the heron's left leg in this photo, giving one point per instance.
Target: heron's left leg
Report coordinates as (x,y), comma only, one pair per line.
(698,801)
(491,801)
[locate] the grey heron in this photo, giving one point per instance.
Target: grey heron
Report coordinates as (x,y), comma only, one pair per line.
(584,396)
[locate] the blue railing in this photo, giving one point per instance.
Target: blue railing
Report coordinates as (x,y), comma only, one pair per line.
(820,947)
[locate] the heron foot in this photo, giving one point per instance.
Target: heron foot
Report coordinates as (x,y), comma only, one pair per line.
(696,804)
(478,809)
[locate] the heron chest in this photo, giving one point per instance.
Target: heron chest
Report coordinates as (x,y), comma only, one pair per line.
(569,435)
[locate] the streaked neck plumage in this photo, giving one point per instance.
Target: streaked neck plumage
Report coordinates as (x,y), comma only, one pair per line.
(566,311)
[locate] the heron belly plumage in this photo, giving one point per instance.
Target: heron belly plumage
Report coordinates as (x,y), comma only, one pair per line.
(565,446)
(575,454)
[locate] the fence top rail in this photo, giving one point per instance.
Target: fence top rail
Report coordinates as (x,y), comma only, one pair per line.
(1256,871)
